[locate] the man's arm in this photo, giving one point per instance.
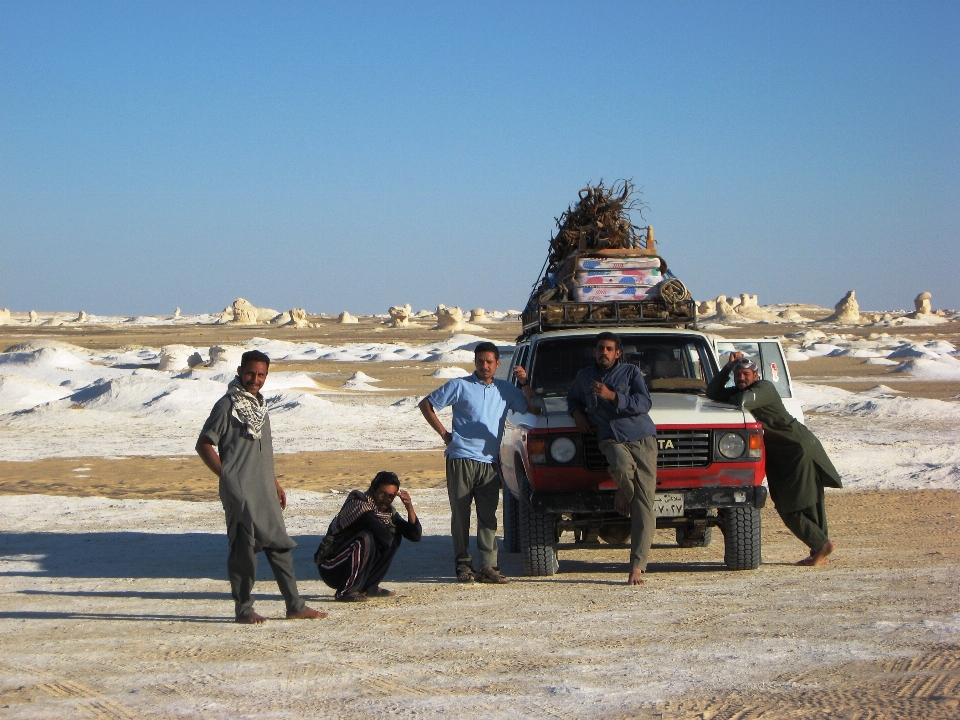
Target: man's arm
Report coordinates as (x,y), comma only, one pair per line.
(577,408)
(756,396)
(521,375)
(638,402)
(208,453)
(716,390)
(430,415)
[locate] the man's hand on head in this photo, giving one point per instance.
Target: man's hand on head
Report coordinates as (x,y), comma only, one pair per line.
(734,356)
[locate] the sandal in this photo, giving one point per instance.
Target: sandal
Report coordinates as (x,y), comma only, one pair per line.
(465,573)
(491,575)
(379,592)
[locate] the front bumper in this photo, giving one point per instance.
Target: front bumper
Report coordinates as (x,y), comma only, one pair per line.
(693,499)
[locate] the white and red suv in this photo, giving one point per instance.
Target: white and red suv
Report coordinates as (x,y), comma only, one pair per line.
(710,464)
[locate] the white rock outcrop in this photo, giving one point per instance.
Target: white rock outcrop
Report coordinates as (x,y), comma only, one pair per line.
(176,314)
(298,318)
(175,358)
(478,315)
(280,319)
(34,318)
(449,319)
(707,308)
(4,316)
(846,312)
(82,317)
(922,304)
(346,318)
(400,316)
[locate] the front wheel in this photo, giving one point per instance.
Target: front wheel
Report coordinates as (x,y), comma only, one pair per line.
(538,550)
(741,538)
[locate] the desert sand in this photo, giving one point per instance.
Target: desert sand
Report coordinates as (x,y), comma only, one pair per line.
(114,604)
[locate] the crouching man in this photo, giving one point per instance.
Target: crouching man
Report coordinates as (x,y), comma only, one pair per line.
(236,445)
(611,400)
(362,539)
(797,465)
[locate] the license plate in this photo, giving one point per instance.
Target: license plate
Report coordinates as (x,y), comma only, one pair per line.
(668,505)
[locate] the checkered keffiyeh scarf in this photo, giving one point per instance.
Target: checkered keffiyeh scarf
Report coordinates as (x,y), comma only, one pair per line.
(248,409)
(356,504)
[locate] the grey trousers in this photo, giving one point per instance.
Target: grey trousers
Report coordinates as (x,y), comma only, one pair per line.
(810,523)
(633,465)
(242,569)
(470,481)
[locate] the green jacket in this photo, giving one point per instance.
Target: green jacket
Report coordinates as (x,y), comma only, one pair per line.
(796,461)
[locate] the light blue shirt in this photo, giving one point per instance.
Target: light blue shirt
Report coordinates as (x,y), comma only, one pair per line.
(479,411)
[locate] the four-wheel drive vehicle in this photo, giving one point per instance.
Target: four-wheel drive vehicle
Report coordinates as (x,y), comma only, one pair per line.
(710,463)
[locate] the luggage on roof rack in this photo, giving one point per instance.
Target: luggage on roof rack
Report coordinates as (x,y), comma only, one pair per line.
(569,315)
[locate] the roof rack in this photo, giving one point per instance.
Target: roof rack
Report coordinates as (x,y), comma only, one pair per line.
(582,315)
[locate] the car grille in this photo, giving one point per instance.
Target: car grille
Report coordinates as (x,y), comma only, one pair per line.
(690,448)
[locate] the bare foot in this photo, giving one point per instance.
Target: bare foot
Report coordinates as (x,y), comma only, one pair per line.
(251,618)
(307,613)
(820,556)
(636,577)
(621,504)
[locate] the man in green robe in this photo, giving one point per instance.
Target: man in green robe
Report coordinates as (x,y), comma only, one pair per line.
(236,445)
(797,465)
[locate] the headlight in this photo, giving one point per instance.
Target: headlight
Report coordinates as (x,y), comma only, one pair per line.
(731,445)
(563,450)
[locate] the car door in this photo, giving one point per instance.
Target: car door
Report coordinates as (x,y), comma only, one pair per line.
(515,424)
(768,354)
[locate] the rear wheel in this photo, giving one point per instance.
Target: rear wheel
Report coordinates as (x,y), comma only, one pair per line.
(511,521)
(538,551)
(741,538)
(690,536)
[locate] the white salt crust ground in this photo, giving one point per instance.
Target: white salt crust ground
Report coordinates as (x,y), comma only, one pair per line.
(119,609)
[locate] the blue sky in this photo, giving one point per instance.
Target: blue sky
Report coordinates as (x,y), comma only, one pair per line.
(359,155)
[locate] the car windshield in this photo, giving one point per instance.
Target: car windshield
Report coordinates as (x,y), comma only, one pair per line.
(669,363)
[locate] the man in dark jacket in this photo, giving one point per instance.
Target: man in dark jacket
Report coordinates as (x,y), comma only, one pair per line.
(362,539)
(611,400)
(797,465)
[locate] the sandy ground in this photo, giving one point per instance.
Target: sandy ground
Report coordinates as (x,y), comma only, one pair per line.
(113,602)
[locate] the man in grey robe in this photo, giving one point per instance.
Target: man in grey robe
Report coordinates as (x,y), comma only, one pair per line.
(236,445)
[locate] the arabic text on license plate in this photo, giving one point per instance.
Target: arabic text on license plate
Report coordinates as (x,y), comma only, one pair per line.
(668,505)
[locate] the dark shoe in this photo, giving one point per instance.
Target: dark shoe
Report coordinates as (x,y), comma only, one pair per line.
(352,597)
(465,573)
(492,576)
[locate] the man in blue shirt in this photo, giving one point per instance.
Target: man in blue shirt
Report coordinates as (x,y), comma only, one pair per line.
(480,403)
(611,400)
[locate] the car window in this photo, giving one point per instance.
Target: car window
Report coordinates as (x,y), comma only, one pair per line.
(505,371)
(668,363)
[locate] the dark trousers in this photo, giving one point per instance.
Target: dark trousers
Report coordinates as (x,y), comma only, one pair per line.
(357,566)
(472,482)
(242,569)
(810,523)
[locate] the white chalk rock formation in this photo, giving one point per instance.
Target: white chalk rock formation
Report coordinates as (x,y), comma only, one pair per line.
(176,314)
(298,318)
(791,315)
(34,318)
(280,319)
(175,358)
(478,315)
(723,307)
(707,307)
(747,300)
(846,312)
(4,316)
(922,304)
(449,319)
(82,317)
(244,312)
(734,302)
(400,316)
(225,358)
(346,318)
(226,316)
(425,314)
(265,315)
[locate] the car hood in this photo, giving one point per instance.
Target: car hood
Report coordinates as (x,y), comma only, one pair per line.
(668,409)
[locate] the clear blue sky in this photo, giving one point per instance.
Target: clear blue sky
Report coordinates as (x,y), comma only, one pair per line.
(358,155)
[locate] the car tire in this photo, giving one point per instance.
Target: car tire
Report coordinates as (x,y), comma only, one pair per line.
(741,538)
(538,550)
(511,521)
